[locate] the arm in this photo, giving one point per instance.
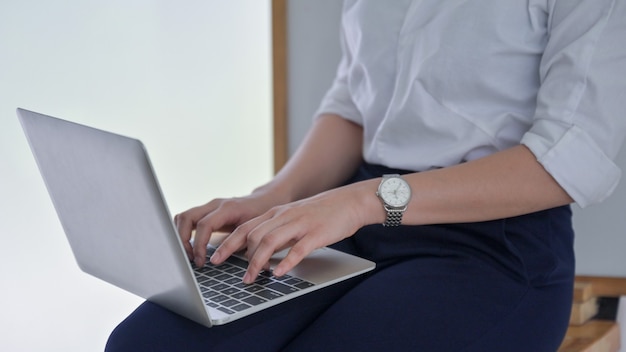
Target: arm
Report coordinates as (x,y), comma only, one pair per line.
(505,184)
(329,155)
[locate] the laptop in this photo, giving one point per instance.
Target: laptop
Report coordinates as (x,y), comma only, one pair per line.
(119,228)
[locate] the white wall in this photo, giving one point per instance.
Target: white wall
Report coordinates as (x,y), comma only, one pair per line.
(191,79)
(601,232)
(314,53)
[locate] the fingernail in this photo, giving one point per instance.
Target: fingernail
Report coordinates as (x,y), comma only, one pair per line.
(247,278)
(278,271)
(215,258)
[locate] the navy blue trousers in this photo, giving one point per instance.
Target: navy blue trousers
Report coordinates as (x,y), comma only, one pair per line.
(503,285)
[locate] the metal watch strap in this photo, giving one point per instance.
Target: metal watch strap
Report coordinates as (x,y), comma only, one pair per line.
(394,217)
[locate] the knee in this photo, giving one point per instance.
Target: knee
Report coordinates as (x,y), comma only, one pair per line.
(121,339)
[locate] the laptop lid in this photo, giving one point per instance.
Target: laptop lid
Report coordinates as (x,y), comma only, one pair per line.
(112,211)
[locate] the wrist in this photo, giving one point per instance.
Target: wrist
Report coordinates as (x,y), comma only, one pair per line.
(367,205)
(279,194)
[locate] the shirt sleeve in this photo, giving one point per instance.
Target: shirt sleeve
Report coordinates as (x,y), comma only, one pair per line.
(338,99)
(580,120)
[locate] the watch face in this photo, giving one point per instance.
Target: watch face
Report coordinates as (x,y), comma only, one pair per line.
(395,192)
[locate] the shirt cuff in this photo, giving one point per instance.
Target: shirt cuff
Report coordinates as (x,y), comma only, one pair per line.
(575,161)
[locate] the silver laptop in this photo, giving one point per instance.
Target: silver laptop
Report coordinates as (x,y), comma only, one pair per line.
(120,230)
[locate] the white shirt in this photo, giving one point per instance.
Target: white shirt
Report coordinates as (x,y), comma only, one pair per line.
(438,82)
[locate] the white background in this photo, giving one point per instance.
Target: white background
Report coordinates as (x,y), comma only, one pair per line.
(191,79)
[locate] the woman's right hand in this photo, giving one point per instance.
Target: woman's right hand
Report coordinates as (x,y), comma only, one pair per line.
(218,215)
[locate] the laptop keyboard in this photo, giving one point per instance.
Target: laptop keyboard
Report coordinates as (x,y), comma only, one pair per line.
(222,287)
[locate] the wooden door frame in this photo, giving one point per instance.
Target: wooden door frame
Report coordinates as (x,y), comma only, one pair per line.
(279,76)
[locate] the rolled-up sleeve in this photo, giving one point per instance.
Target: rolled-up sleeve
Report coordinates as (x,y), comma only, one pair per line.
(580,120)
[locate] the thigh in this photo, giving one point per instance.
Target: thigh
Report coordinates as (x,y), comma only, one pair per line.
(429,304)
(152,328)
(539,322)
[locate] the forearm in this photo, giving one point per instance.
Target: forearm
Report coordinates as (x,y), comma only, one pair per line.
(328,156)
(505,184)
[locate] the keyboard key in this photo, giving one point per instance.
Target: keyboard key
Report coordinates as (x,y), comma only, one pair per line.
(229,303)
(263,281)
(233,281)
(253,300)
(207,282)
(253,288)
(241,285)
(234,271)
(226,310)
(265,273)
(220,287)
(206,270)
(223,277)
(219,299)
(304,284)
(293,281)
(282,288)
(226,266)
(230,291)
(240,307)
(238,262)
(240,295)
(269,294)
(210,294)
(283,278)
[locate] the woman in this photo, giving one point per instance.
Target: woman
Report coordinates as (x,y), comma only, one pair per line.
(497,114)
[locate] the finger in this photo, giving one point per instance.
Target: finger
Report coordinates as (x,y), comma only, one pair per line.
(258,262)
(185,224)
(210,219)
(204,229)
(270,242)
(237,240)
(184,229)
(234,242)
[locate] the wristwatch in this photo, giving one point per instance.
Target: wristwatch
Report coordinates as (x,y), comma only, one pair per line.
(395,194)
